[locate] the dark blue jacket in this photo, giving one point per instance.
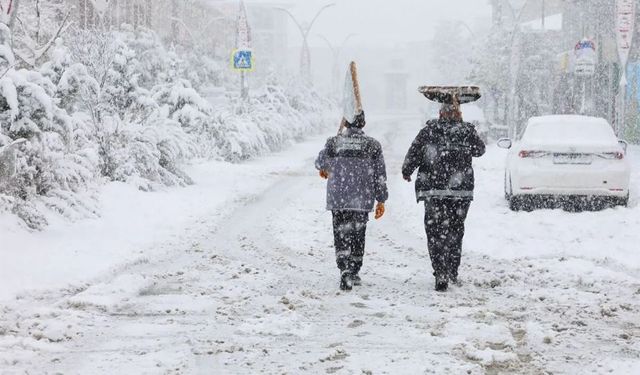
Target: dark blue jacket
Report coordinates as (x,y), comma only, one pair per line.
(357,172)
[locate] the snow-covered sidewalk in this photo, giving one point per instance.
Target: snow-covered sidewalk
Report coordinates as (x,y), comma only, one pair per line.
(134,227)
(251,286)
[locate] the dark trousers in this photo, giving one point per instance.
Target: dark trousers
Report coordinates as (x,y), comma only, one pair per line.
(444,222)
(349,231)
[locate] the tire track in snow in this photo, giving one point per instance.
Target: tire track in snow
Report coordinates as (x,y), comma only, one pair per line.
(257,293)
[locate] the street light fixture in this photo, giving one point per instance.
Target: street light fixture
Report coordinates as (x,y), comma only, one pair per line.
(335,52)
(466,27)
(305,54)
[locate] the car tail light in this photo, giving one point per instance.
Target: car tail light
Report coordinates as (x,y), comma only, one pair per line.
(612,155)
(531,154)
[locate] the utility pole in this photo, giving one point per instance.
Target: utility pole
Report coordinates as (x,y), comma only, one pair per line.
(305,53)
(625,26)
(514,68)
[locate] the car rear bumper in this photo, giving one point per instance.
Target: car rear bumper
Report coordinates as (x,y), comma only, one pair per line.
(577,192)
(612,182)
(551,192)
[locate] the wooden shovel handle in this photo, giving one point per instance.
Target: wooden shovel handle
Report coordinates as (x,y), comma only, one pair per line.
(356,86)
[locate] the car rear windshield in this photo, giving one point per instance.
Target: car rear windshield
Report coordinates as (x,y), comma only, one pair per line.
(576,130)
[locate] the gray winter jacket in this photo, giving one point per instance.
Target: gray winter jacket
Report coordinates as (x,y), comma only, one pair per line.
(357,172)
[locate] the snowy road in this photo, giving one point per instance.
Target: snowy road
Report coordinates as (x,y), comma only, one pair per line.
(254,290)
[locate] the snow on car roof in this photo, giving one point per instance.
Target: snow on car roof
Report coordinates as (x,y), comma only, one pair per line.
(569,130)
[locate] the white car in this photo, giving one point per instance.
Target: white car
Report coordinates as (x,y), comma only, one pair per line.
(566,158)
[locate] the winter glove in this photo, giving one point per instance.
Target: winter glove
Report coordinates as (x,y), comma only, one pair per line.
(380,210)
(324,174)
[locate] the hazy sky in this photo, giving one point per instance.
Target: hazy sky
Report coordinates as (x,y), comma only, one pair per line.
(384,21)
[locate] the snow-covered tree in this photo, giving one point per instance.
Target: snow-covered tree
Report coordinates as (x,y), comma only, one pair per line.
(491,64)
(50,163)
(98,104)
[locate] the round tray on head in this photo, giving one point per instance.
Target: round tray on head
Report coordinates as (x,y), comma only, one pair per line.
(445,94)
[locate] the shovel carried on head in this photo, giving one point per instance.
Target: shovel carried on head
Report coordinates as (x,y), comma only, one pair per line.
(452,95)
(352,102)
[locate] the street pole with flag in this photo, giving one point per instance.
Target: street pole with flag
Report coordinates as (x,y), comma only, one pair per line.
(625,24)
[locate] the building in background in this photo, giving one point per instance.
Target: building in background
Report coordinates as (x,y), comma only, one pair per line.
(206,25)
(507,12)
(270,27)
(396,79)
(188,22)
(544,41)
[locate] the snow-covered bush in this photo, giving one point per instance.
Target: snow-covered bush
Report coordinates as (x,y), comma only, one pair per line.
(121,106)
(137,141)
(276,114)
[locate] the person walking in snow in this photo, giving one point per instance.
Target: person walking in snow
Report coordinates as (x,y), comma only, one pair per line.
(443,152)
(354,166)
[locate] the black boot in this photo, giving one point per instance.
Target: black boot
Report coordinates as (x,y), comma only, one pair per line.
(355,278)
(442,283)
(346,283)
(453,279)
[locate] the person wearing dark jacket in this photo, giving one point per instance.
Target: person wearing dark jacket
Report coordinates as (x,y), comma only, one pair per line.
(442,152)
(354,166)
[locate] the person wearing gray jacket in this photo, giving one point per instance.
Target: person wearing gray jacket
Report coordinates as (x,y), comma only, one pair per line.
(354,165)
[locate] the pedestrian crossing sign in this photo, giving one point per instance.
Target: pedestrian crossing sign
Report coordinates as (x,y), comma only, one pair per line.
(242,60)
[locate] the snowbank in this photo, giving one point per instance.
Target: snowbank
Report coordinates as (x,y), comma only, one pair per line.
(134,225)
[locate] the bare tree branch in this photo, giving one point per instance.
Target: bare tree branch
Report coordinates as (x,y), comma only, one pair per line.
(12,9)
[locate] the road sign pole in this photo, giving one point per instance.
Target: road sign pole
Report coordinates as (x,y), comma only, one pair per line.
(625,25)
(243,85)
(242,59)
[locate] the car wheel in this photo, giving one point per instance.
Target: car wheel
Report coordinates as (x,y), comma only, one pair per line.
(515,203)
(624,202)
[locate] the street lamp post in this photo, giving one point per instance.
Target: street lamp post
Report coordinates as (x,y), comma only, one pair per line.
(305,54)
(466,27)
(335,52)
